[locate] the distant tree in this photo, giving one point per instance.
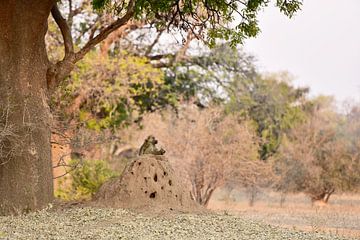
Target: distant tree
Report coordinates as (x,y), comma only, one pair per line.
(349,167)
(315,158)
(208,75)
(272,103)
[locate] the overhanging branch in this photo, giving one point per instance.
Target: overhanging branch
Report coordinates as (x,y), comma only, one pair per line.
(105,32)
(168,60)
(59,71)
(65,30)
(121,32)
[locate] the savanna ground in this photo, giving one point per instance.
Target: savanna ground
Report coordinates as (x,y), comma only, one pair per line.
(341,216)
(232,218)
(97,223)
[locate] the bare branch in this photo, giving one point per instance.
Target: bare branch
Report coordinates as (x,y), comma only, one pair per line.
(105,32)
(156,40)
(121,32)
(72,168)
(180,55)
(160,56)
(65,30)
(76,11)
(170,59)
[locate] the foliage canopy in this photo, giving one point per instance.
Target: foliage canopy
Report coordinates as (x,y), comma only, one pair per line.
(232,20)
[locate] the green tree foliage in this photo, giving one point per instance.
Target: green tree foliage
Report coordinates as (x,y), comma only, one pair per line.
(208,75)
(107,92)
(272,103)
(207,20)
(232,21)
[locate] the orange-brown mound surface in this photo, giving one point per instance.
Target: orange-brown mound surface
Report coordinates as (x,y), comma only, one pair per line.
(148,183)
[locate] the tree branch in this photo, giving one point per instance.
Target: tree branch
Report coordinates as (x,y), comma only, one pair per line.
(121,32)
(65,30)
(105,32)
(59,71)
(156,40)
(160,56)
(76,11)
(179,56)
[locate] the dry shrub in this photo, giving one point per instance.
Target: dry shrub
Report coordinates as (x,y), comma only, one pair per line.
(208,148)
(311,158)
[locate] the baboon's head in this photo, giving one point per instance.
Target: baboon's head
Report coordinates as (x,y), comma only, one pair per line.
(151,139)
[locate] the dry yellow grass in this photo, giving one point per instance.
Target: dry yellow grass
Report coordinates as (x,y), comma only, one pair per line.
(340,217)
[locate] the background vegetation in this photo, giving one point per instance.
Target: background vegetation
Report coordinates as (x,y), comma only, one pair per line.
(222,122)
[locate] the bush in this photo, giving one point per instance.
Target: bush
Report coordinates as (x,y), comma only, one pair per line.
(85,180)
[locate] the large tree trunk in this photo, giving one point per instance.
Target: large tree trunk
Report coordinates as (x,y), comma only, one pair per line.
(25,151)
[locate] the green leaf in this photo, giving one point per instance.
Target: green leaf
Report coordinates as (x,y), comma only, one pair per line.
(99,4)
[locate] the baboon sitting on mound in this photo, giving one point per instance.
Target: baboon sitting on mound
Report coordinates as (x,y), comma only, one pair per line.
(148,147)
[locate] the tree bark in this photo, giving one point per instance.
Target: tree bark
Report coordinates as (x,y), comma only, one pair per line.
(25,156)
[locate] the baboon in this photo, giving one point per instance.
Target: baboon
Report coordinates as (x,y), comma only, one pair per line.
(148,147)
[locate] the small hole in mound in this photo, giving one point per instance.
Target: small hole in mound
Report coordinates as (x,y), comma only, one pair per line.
(162,187)
(152,195)
(155,177)
(132,173)
(145,178)
(176,196)
(165,173)
(152,164)
(171,209)
(170,182)
(145,192)
(139,163)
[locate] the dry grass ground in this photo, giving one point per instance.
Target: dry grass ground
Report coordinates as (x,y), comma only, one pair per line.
(341,216)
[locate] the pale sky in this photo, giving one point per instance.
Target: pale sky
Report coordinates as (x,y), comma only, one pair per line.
(320,46)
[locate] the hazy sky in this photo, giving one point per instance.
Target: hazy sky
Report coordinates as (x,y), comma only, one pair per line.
(320,46)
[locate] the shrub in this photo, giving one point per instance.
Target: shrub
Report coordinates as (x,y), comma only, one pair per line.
(85,179)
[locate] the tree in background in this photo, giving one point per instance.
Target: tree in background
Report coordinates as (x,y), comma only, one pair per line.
(317,158)
(349,168)
(224,76)
(208,74)
(274,105)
